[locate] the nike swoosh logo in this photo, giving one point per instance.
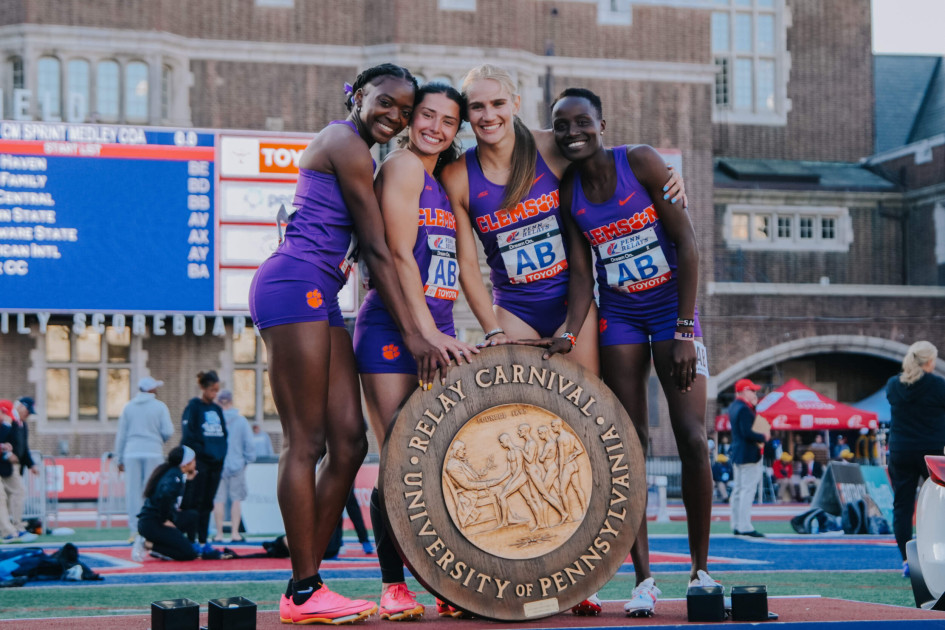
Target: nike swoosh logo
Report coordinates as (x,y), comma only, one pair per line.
(428,188)
(537,178)
(482,194)
(627,199)
(308,590)
(581,211)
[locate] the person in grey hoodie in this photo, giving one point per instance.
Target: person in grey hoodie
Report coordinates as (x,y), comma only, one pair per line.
(143,427)
(240,451)
(917,428)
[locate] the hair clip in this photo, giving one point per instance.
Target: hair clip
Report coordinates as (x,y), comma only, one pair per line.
(348,89)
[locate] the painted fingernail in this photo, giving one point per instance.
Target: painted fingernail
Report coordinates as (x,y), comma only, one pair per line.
(666,196)
(665,188)
(674,200)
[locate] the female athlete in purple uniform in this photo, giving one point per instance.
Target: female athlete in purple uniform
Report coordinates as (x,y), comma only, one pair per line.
(647,275)
(424,254)
(293,301)
(506,190)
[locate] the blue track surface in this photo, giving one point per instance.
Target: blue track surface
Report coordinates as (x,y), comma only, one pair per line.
(727,553)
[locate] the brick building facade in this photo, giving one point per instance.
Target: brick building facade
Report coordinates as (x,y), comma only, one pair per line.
(770,104)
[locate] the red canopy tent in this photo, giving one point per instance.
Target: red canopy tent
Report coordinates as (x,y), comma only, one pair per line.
(796,407)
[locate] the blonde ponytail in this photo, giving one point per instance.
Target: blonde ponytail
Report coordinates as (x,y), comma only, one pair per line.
(525,153)
(919,354)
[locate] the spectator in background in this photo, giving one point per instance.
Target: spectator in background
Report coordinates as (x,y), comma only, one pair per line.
(917,428)
(722,476)
(820,450)
(21,448)
(143,427)
(789,482)
(725,446)
(240,451)
(204,430)
(839,446)
(746,456)
(169,529)
(25,407)
(811,472)
(866,453)
(262,442)
(12,493)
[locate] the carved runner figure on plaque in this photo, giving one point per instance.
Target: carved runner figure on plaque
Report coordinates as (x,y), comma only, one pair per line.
(514,490)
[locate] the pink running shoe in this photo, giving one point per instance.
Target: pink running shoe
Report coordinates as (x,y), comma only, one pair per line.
(326,606)
(400,604)
(285,609)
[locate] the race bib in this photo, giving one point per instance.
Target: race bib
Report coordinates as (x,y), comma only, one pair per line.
(635,262)
(443,272)
(533,252)
(351,256)
(702,359)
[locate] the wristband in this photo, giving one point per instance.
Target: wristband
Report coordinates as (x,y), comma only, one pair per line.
(570,337)
(493,333)
(685,323)
(684,336)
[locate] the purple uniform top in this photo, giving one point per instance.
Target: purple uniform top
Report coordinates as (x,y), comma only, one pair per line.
(635,258)
(321,231)
(524,245)
(435,253)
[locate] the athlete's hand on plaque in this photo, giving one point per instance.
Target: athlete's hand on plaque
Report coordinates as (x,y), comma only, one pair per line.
(427,356)
(675,188)
(554,345)
(453,349)
(497,339)
(684,363)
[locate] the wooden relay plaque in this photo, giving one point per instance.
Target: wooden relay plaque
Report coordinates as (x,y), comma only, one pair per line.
(515,490)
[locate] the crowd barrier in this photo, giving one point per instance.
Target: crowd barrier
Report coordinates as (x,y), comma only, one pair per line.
(111,491)
(42,491)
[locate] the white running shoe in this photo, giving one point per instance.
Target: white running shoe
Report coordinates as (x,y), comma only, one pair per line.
(703,579)
(643,599)
(138,550)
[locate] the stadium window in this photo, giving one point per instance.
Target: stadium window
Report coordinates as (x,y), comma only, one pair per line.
(456,5)
(107,95)
(48,88)
(805,227)
(749,47)
(252,394)
(787,228)
(77,88)
(88,375)
(136,92)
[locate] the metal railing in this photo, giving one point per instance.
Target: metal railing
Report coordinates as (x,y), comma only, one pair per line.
(42,491)
(111,491)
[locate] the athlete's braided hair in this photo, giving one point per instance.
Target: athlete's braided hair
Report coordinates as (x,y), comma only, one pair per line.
(583,93)
(368,76)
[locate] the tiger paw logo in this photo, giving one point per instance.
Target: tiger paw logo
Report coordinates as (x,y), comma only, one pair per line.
(391,352)
(314,298)
(603,325)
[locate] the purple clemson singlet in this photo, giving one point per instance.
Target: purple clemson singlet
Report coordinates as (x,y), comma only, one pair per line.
(435,253)
(634,253)
(524,245)
(321,231)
